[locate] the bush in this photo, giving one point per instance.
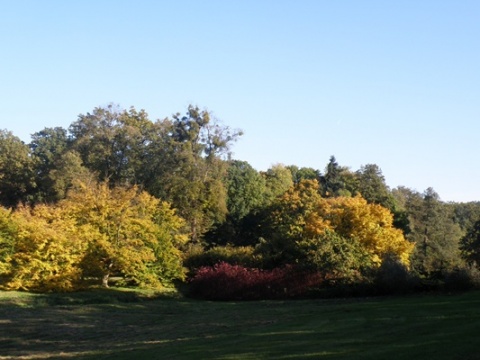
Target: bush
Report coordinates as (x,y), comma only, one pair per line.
(394,278)
(463,278)
(241,255)
(234,282)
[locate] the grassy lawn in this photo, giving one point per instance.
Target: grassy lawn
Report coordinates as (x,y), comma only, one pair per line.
(127,325)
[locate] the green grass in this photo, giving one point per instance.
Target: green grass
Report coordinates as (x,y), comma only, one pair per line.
(112,324)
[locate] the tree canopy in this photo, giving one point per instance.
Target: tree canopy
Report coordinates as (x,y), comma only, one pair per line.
(118,194)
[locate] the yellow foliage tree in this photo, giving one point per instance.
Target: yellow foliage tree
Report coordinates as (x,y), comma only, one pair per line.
(95,232)
(301,219)
(369,224)
(130,233)
(46,252)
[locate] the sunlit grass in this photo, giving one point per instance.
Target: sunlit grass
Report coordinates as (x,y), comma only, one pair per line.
(112,324)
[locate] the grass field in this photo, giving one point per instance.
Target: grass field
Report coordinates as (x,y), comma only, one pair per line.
(128,325)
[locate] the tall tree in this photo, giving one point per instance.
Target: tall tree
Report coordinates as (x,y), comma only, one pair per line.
(47,147)
(303,173)
(372,186)
(337,180)
(17,177)
(245,189)
(470,245)
(278,180)
(194,173)
(246,196)
(111,142)
(434,232)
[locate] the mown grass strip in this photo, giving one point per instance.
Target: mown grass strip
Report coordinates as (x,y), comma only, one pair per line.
(112,325)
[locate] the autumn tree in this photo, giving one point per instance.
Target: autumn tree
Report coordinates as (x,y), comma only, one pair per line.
(131,233)
(8,233)
(93,233)
(46,251)
(302,220)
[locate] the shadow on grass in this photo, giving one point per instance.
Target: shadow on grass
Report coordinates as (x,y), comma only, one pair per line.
(110,324)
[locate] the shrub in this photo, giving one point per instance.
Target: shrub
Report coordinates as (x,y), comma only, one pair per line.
(393,277)
(241,255)
(463,278)
(234,282)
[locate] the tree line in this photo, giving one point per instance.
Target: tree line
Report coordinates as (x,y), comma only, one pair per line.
(153,202)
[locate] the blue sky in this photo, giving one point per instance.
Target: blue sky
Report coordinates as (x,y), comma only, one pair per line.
(395,83)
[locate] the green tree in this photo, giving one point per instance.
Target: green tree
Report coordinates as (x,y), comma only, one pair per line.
(245,189)
(278,180)
(67,169)
(372,186)
(195,169)
(47,147)
(303,173)
(246,195)
(466,214)
(434,232)
(337,180)
(17,177)
(111,142)
(470,245)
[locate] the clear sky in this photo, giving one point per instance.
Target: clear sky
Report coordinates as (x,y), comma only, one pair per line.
(395,83)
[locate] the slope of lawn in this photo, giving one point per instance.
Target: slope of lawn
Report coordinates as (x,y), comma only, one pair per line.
(128,325)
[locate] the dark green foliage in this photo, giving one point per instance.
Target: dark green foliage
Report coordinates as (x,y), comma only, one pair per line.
(337,180)
(341,260)
(433,230)
(304,173)
(111,142)
(372,186)
(47,147)
(17,175)
(242,255)
(463,278)
(245,189)
(470,245)
(466,214)
(394,278)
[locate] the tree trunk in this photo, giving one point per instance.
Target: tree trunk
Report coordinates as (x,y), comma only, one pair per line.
(105,280)
(106,275)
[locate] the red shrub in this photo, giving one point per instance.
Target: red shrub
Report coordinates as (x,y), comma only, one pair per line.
(234,282)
